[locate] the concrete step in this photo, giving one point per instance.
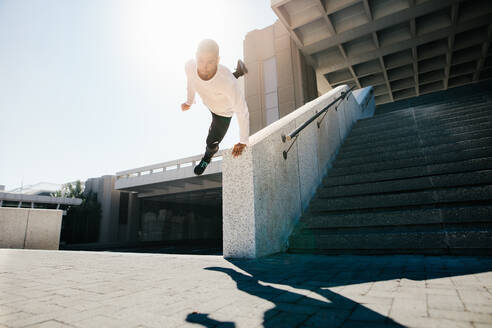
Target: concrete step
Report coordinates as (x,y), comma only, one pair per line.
(443,103)
(413,132)
(396,242)
(448,114)
(403,154)
(464,166)
(423,125)
(415,112)
(408,198)
(348,168)
(422,140)
(410,183)
(392,131)
(419,112)
(404,151)
(396,217)
(411,144)
(458,113)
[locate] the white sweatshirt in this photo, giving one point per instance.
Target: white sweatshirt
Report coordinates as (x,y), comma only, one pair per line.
(221,94)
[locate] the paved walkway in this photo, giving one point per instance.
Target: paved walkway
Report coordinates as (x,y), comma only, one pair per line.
(108,289)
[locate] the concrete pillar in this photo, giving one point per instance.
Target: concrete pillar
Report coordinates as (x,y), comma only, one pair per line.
(133,217)
(109,199)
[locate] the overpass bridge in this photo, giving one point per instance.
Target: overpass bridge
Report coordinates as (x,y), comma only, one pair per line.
(175,181)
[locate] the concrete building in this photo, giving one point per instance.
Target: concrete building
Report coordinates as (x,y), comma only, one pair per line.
(279,79)
(40,188)
(403,48)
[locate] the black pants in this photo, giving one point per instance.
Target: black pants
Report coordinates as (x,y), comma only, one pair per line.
(216,133)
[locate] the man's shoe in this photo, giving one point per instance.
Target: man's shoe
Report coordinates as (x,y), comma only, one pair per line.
(201,166)
(241,68)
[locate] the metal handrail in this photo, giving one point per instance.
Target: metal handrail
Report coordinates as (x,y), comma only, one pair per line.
(294,134)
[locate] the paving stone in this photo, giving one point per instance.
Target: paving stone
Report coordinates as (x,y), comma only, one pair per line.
(288,297)
(104,321)
(409,306)
(364,324)
(286,320)
(371,312)
(461,315)
(101,289)
(50,324)
(36,306)
(327,318)
(296,308)
(7,319)
(4,310)
(479,296)
(418,322)
(445,302)
(478,308)
(481,325)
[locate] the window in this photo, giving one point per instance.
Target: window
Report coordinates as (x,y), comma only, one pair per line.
(270,90)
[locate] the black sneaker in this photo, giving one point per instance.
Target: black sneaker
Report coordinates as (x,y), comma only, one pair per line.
(201,166)
(241,68)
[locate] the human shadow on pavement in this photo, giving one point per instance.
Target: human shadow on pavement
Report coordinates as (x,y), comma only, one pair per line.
(317,305)
(336,308)
(203,319)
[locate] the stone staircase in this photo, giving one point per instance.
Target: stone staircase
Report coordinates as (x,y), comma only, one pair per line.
(415,178)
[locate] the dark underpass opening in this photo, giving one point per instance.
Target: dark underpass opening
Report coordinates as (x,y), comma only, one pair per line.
(180,226)
(180,223)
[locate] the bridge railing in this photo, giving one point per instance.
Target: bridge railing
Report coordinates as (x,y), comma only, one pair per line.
(169,167)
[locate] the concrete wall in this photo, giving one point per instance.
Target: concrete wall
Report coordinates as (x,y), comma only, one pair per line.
(264,194)
(296,80)
(30,228)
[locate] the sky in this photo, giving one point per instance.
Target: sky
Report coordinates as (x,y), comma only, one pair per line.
(93,87)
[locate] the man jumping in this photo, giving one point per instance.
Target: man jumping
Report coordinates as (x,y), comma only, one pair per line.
(219,89)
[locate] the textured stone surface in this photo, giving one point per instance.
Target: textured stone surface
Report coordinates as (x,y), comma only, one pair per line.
(411,115)
(410,162)
(108,289)
(427,216)
(30,228)
(412,183)
(238,205)
(43,229)
(13,224)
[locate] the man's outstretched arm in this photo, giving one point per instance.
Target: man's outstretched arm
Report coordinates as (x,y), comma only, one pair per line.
(190,98)
(242,113)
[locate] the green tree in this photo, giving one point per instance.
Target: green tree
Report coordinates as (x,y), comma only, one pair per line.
(81,223)
(70,191)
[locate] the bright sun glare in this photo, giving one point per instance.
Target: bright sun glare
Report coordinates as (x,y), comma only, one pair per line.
(166,36)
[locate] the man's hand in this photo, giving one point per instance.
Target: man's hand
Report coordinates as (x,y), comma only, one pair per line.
(238,149)
(185,106)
